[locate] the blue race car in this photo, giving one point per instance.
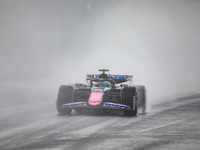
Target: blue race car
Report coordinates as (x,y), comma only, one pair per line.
(102,92)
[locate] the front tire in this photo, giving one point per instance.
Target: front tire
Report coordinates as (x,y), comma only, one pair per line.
(141,91)
(65,94)
(128,97)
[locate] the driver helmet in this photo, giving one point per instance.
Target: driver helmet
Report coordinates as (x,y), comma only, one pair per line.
(103,82)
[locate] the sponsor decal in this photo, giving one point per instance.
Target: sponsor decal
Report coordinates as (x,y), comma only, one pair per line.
(97,90)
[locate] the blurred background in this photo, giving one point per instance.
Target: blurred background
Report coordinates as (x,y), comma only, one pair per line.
(48,43)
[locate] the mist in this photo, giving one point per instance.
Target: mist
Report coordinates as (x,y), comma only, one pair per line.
(59,42)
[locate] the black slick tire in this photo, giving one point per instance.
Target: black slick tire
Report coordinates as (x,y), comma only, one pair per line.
(127,99)
(141,92)
(65,94)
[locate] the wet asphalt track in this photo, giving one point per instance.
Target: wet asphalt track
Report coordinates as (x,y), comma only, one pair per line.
(29,121)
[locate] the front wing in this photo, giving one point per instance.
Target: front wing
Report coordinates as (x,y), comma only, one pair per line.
(104,105)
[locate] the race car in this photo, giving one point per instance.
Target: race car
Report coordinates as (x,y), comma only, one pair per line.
(102,92)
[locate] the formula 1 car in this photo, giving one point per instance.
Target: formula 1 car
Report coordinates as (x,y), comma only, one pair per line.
(102,92)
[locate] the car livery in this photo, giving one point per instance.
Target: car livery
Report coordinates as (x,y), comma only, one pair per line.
(102,92)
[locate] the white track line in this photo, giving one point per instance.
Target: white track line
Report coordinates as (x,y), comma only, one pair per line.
(160,126)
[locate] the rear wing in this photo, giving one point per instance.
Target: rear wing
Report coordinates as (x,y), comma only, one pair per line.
(117,78)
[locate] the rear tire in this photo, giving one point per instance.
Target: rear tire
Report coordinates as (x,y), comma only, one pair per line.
(64,96)
(141,91)
(127,99)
